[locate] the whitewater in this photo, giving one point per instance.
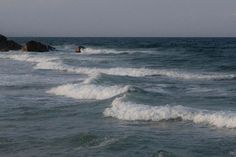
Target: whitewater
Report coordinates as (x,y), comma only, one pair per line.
(132,111)
(54,63)
(120,97)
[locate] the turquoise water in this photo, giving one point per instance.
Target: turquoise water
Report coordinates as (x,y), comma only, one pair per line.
(120,97)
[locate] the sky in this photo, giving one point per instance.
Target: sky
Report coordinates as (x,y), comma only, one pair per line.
(118,18)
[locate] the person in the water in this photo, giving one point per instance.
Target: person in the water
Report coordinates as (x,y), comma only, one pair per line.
(79,49)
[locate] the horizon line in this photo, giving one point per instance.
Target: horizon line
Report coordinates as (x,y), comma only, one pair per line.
(121,37)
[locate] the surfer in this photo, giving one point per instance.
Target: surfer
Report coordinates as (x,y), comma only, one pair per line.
(79,49)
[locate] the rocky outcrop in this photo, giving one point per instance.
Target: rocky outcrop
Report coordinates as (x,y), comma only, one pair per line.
(2,38)
(6,45)
(34,46)
(31,46)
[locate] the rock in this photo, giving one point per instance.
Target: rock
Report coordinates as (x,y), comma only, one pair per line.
(34,46)
(2,38)
(6,45)
(12,45)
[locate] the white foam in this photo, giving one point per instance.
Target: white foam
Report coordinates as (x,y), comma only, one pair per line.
(137,72)
(31,58)
(46,62)
(114,51)
(100,51)
(67,47)
(86,91)
(40,61)
(131,111)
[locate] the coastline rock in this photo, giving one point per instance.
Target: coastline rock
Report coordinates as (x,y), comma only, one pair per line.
(6,45)
(34,46)
(2,38)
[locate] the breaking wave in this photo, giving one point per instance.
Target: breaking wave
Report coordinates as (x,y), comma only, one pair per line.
(100,51)
(132,111)
(53,63)
(88,91)
(114,51)
(68,47)
(89,50)
(135,72)
(32,58)
(40,61)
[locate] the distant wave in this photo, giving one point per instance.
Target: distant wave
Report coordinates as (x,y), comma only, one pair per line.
(31,58)
(97,51)
(137,72)
(66,47)
(114,51)
(38,60)
(132,111)
(53,63)
(100,51)
(88,91)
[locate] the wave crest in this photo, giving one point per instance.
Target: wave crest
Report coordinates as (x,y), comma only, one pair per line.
(100,51)
(31,58)
(115,51)
(136,72)
(87,91)
(53,63)
(131,111)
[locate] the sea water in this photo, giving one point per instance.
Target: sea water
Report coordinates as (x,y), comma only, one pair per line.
(162,97)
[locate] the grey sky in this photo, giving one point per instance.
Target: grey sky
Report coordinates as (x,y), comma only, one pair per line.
(161,18)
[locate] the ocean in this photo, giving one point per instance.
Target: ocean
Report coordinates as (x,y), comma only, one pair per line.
(121,97)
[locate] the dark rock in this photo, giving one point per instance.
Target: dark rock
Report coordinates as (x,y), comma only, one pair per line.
(12,45)
(6,45)
(34,46)
(2,38)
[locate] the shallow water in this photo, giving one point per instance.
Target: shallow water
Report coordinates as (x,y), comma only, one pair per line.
(120,97)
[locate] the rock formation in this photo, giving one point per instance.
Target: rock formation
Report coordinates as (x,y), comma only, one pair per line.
(6,45)
(34,46)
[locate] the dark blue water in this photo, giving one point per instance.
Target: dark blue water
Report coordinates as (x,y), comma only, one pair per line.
(162,97)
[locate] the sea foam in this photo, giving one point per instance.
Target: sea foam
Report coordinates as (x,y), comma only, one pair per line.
(100,51)
(88,91)
(54,63)
(136,72)
(115,51)
(32,58)
(132,111)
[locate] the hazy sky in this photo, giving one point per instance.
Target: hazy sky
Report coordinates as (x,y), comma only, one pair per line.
(161,18)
